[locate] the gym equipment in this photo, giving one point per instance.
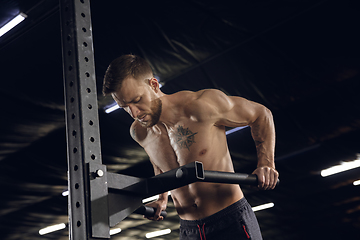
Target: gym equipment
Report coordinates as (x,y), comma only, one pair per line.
(124,194)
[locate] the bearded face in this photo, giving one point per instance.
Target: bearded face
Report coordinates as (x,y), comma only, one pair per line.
(140,100)
(154,115)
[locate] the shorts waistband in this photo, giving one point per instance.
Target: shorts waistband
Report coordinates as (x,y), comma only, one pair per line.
(216,216)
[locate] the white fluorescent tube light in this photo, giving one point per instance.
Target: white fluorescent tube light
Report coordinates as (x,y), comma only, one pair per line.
(111,109)
(65,193)
(344,166)
(150,199)
(158,233)
(356,183)
(262,207)
(115,231)
(153,198)
(235,130)
(12,23)
(52,228)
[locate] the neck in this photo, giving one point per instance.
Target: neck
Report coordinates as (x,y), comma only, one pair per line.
(160,94)
(169,113)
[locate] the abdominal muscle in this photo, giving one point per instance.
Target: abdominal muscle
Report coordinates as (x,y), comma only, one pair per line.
(202,199)
(199,200)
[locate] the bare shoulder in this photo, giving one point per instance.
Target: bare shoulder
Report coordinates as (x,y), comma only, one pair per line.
(137,132)
(225,103)
(214,96)
(212,100)
(207,95)
(203,105)
(215,106)
(183,97)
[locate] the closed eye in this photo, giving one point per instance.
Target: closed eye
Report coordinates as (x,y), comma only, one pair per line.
(137,100)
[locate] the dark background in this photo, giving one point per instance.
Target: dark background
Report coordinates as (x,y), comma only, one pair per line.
(299,58)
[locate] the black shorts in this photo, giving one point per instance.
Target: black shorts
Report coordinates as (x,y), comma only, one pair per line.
(237,221)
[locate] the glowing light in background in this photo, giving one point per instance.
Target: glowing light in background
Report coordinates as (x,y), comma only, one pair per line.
(356,182)
(344,166)
(12,23)
(158,233)
(52,228)
(112,108)
(115,231)
(235,130)
(263,206)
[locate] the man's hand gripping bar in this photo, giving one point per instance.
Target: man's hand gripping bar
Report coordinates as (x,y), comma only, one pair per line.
(149,211)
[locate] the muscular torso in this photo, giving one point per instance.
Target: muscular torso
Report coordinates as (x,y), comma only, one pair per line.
(186,135)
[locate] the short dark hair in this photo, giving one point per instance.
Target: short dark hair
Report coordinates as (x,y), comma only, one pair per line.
(123,67)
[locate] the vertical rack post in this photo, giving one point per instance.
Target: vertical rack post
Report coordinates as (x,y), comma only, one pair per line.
(82,123)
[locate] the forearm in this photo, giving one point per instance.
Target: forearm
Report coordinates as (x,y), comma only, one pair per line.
(263,133)
(163,197)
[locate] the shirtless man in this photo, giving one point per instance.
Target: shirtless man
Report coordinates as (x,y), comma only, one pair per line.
(189,126)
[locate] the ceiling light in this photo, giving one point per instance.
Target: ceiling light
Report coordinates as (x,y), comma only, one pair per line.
(158,233)
(344,166)
(115,231)
(356,183)
(12,23)
(150,199)
(235,130)
(153,198)
(52,228)
(112,108)
(262,207)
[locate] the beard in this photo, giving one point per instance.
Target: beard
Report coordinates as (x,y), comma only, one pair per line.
(156,107)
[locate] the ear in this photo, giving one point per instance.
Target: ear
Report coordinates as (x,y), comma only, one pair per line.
(154,84)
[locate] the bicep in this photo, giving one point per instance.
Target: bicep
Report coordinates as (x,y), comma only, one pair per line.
(243,112)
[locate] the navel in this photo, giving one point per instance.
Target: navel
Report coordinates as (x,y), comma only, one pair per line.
(202,152)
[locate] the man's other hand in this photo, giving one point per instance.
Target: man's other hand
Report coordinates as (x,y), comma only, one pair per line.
(160,206)
(267,177)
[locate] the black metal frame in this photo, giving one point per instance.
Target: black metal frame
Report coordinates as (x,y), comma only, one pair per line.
(83,138)
(125,193)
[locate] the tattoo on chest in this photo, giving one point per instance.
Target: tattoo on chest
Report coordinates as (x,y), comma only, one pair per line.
(184,137)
